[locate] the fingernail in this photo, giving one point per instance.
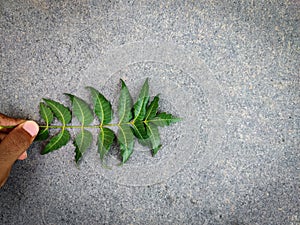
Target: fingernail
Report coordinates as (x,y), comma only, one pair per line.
(23,156)
(31,128)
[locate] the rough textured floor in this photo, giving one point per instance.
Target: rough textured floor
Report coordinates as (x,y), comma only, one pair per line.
(229,68)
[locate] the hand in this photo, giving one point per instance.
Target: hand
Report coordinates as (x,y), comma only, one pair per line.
(14,142)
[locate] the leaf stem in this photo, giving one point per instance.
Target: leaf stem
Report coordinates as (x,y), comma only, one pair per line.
(110,125)
(71,126)
(7,127)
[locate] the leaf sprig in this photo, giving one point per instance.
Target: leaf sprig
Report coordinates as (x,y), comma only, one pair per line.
(138,120)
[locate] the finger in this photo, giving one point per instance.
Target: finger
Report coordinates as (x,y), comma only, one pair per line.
(9,121)
(17,142)
(2,136)
(4,175)
(23,156)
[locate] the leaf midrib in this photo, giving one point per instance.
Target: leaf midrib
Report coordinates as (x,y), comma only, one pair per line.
(101,108)
(81,139)
(62,116)
(159,119)
(83,117)
(149,127)
(46,117)
(133,124)
(60,137)
(140,110)
(102,138)
(125,139)
(124,110)
(148,115)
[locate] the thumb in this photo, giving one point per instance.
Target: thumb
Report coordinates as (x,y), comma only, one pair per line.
(17,142)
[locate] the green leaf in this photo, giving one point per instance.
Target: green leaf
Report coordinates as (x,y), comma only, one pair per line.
(47,116)
(102,106)
(56,142)
(145,89)
(141,104)
(154,139)
(60,111)
(125,139)
(152,109)
(125,104)
(81,110)
(46,113)
(42,135)
(139,129)
(105,140)
(82,142)
(164,119)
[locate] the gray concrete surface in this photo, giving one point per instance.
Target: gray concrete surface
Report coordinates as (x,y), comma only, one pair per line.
(229,68)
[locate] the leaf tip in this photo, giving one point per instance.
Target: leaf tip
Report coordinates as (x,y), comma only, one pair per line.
(44,151)
(178,119)
(90,88)
(123,83)
(69,95)
(155,150)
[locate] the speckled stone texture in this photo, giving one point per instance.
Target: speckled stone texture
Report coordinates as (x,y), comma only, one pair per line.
(229,68)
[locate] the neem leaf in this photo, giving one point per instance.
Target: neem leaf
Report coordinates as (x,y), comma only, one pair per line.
(141,104)
(82,142)
(47,116)
(56,142)
(102,106)
(125,139)
(152,108)
(145,89)
(154,139)
(125,104)
(46,113)
(60,111)
(105,140)
(81,110)
(42,135)
(164,119)
(139,129)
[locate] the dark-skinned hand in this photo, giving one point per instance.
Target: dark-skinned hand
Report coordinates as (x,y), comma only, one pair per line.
(14,142)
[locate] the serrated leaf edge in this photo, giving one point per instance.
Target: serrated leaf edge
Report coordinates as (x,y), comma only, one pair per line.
(62,115)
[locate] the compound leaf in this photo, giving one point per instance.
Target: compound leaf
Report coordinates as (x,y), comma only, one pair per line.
(105,140)
(141,120)
(164,119)
(47,116)
(82,142)
(125,104)
(81,110)
(56,142)
(62,113)
(125,139)
(141,104)
(102,106)
(152,109)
